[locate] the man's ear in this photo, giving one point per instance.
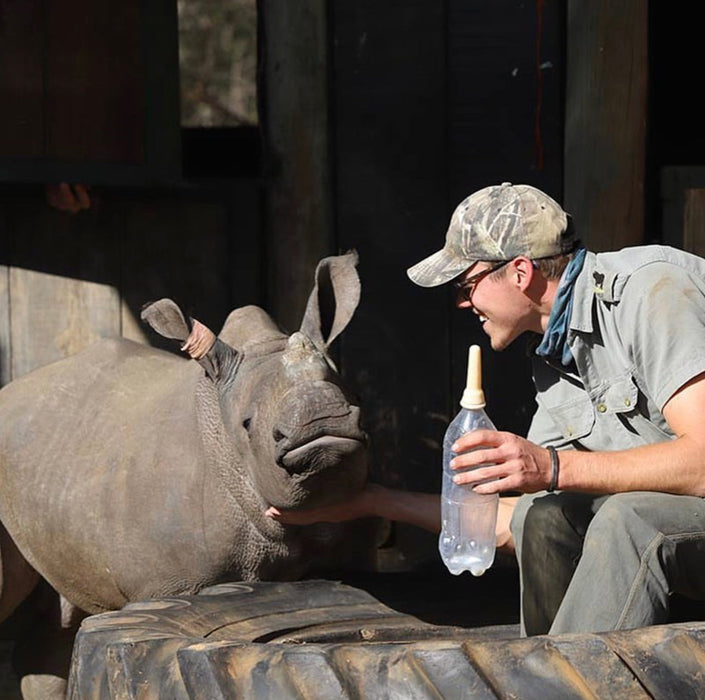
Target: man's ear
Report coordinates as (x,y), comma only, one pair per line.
(522,272)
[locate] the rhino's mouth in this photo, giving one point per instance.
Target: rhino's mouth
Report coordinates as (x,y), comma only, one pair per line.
(322,448)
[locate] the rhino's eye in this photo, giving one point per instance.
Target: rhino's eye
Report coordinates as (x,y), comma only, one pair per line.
(246,424)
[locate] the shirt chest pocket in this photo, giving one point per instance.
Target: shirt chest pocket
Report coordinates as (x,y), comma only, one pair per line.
(621,396)
(573,415)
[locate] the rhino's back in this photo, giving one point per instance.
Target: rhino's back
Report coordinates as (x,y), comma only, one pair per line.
(114,364)
(111,394)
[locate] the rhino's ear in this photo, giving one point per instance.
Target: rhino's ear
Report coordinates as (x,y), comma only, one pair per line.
(217,358)
(166,318)
(333,300)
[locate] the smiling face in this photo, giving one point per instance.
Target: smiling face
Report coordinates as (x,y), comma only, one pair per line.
(500,299)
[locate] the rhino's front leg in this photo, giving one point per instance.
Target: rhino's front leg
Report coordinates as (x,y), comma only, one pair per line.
(17,578)
(42,657)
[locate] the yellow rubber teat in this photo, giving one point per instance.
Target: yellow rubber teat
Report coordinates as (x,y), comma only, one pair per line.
(473,396)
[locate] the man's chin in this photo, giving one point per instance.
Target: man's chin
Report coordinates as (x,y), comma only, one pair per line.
(498,344)
(495,343)
(502,343)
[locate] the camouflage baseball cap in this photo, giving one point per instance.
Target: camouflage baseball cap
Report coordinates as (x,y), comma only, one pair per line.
(497,223)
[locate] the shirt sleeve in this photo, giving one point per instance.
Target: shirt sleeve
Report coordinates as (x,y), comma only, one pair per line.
(661,320)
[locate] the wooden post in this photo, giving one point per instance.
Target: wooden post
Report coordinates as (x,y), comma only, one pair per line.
(605,138)
(298,220)
(694,221)
(5,344)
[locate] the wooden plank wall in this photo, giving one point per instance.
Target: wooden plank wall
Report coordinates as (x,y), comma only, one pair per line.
(694,221)
(68,280)
(391,192)
(432,101)
(21,76)
(507,72)
(72,77)
(89,91)
(5,368)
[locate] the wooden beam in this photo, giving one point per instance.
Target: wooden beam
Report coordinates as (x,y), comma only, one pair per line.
(694,221)
(605,145)
(5,344)
(298,217)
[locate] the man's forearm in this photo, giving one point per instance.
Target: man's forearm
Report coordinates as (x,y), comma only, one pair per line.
(414,508)
(671,467)
(424,510)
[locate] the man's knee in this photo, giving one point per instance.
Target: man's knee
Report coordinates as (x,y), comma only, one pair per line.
(625,514)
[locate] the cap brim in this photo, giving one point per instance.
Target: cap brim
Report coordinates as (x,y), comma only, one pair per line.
(437,269)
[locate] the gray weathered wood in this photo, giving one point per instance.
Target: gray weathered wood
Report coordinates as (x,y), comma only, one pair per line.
(605,136)
(5,345)
(694,221)
(53,317)
(73,279)
(295,121)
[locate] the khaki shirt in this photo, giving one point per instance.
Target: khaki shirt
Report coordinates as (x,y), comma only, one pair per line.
(637,333)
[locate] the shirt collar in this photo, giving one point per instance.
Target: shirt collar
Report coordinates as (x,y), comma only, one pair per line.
(587,286)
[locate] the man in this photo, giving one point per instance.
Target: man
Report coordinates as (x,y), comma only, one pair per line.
(614,521)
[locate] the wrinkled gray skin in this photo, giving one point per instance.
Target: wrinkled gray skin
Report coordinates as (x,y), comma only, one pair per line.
(127,472)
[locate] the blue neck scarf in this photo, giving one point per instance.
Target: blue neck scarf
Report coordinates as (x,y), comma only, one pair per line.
(555,339)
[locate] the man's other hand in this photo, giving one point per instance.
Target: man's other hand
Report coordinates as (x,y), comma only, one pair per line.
(66,197)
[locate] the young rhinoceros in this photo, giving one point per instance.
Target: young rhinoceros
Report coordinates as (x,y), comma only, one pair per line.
(127,472)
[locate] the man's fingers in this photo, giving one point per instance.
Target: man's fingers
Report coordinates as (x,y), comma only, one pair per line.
(478,438)
(82,198)
(70,198)
(468,460)
(473,476)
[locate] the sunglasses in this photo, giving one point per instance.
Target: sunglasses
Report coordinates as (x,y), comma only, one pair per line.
(465,288)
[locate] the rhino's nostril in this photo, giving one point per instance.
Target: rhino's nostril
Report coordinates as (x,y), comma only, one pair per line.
(277,435)
(246,424)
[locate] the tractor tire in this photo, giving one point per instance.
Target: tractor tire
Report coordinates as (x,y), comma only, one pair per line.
(323,639)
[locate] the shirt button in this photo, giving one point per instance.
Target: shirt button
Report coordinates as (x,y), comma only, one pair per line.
(569,430)
(627,402)
(601,407)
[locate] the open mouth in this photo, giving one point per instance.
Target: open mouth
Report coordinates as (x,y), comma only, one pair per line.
(482,318)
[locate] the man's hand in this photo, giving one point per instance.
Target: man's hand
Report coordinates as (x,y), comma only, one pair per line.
(360,506)
(514,464)
(70,198)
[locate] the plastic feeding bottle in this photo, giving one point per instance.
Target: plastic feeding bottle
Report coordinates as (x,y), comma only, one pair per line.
(467,540)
